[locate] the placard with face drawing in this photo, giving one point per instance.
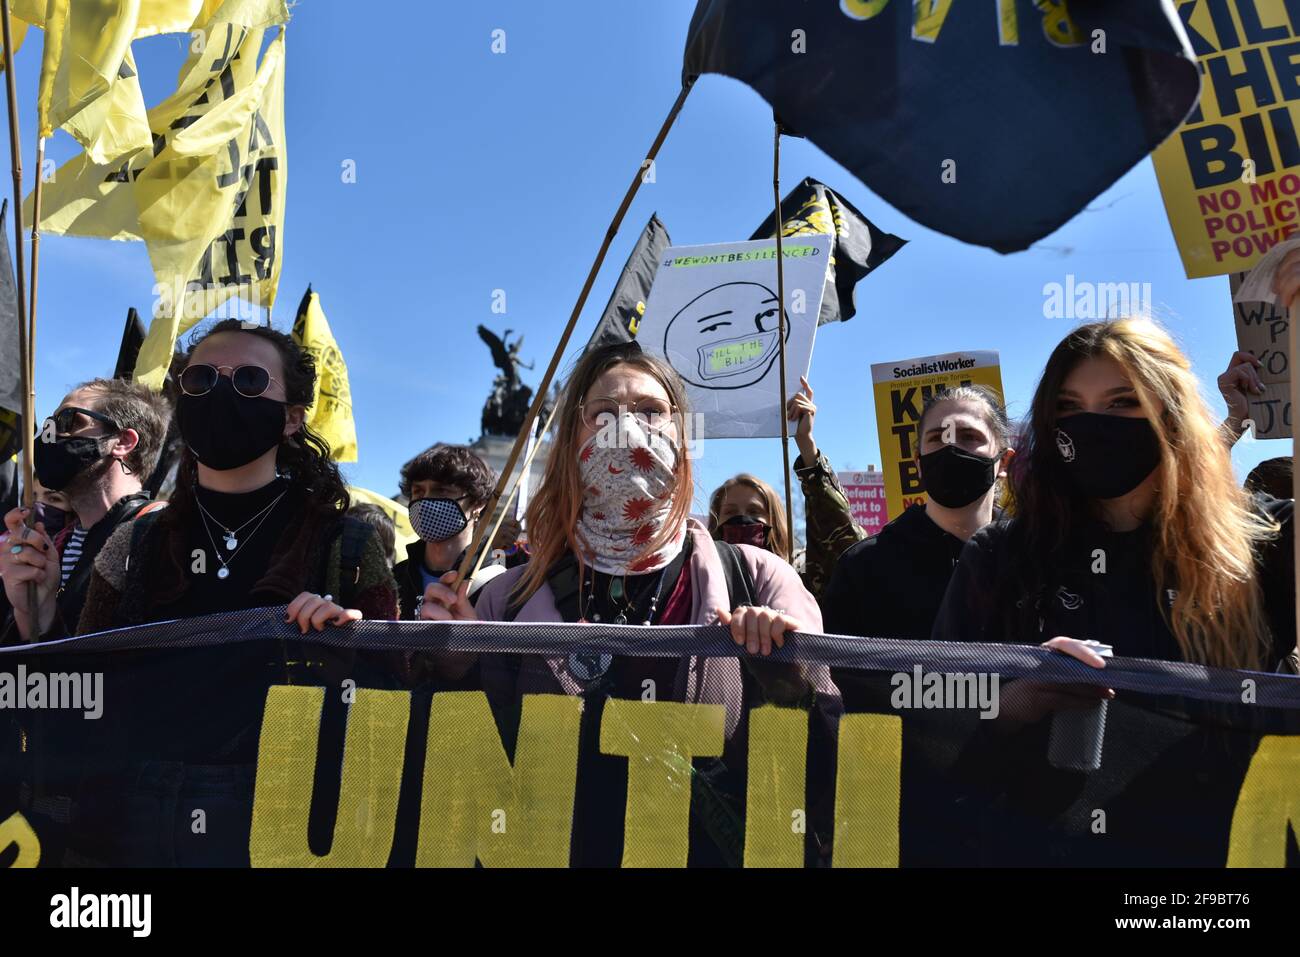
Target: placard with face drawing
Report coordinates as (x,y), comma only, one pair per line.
(712,314)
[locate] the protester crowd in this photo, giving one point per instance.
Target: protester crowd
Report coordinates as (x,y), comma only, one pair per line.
(1110,514)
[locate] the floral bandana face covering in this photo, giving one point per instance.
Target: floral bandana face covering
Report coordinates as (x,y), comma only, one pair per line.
(627,495)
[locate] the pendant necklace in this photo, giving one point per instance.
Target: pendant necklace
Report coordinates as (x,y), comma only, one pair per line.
(230,536)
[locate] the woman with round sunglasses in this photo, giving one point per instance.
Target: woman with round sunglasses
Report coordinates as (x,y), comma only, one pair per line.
(257,512)
(1129,527)
(611,542)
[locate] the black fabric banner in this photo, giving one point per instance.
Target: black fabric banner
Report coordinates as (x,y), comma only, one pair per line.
(234,740)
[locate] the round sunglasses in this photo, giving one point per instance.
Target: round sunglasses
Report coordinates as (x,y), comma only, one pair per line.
(249,381)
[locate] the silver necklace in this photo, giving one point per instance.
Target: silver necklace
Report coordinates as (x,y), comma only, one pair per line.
(224,571)
(231,535)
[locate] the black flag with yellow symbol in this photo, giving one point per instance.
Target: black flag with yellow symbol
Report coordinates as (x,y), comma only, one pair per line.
(627,304)
(859,245)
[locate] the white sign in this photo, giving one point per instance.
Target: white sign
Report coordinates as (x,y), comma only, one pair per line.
(712,314)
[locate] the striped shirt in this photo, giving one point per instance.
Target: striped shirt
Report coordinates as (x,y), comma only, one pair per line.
(72,553)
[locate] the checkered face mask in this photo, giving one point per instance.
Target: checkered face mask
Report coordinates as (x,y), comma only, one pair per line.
(436,519)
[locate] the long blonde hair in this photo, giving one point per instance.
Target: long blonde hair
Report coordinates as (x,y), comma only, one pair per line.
(777,542)
(1206,530)
(552,516)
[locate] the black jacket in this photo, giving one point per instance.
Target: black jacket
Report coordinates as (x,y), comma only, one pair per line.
(891,585)
(410,582)
(1102,588)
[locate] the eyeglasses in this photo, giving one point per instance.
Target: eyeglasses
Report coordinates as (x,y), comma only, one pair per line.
(65,419)
(249,381)
(603,411)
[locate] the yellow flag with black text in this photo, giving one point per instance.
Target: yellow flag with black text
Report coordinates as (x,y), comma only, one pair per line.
(330,415)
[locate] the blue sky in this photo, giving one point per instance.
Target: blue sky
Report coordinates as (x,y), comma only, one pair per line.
(478,171)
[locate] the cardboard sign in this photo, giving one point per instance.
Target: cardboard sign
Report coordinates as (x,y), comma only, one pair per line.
(712,314)
(866,494)
(1230,175)
(1263,330)
(901,390)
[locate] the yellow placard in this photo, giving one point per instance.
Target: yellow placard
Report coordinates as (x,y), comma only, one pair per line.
(1230,175)
(900,390)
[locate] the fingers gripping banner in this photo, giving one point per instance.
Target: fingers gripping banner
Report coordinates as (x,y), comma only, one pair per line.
(234,740)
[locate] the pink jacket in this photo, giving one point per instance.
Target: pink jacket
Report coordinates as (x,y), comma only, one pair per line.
(702,680)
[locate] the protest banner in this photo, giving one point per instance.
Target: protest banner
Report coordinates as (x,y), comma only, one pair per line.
(901,390)
(713,315)
(1262,330)
(332,759)
(866,494)
(1230,175)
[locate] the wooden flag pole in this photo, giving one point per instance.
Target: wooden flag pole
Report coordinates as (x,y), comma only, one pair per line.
(544,388)
(36,251)
(780,298)
(27,366)
(535,443)
(1293,321)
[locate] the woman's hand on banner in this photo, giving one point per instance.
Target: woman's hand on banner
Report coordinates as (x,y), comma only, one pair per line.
(310,610)
(28,555)
(442,603)
(758,628)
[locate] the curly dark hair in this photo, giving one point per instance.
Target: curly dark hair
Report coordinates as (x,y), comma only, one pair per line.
(303,458)
(451,465)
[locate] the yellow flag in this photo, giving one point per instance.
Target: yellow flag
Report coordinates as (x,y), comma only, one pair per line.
(211,209)
(330,415)
(85,45)
(18,28)
(397,512)
(115,125)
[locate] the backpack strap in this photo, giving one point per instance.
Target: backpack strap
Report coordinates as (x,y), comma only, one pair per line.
(563,579)
(740,584)
(355,534)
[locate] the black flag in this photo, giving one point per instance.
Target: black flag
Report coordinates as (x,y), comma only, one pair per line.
(129,350)
(11,379)
(627,305)
(991,122)
(859,246)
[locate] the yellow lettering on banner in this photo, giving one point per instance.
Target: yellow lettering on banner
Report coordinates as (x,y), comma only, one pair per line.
(863,9)
(476,806)
(928,17)
(16,830)
(373,753)
(1008,23)
(1268,805)
(867,791)
(778,765)
(659,739)
(1057,25)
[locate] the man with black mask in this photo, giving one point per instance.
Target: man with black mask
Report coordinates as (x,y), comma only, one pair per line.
(97,448)
(891,585)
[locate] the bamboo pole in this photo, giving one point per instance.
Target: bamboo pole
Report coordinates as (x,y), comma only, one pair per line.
(544,388)
(780,297)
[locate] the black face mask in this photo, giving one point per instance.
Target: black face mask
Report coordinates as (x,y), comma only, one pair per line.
(954,477)
(744,530)
(57,463)
(225,429)
(52,518)
(1106,456)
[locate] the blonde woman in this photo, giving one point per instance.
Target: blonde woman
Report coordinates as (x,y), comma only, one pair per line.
(745,510)
(611,543)
(1130,528)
